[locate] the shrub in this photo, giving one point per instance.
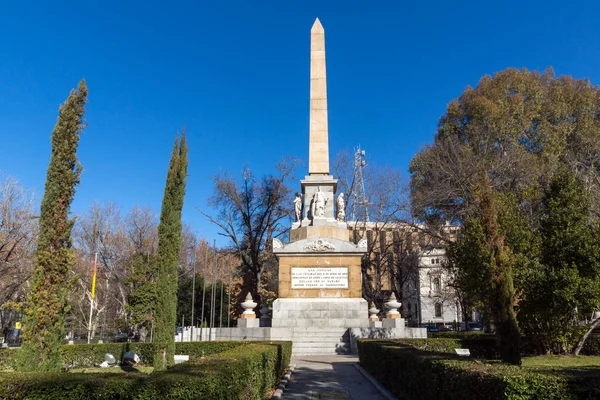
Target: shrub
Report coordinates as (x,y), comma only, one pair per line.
(88,355)
(485,344)
(480,346)
(8,359)
(591,346)
(435,374)
(197,350)
(243,372)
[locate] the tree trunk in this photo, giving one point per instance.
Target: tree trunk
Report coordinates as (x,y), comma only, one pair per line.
(502,288)
(257,289)
(583,338)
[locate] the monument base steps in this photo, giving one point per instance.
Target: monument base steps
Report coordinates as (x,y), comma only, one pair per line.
(316,341)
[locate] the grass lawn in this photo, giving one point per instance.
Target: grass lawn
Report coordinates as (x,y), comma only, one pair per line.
(564,365)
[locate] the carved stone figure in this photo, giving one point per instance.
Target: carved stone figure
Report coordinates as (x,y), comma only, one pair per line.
(320,202)
(341,205)
(298,207)
(319,245)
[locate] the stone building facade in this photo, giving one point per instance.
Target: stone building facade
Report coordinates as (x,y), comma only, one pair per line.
(409,260)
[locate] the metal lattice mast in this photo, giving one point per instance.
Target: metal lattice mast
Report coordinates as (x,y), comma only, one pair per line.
(359,200)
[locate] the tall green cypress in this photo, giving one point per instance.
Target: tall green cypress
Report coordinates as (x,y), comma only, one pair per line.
(46,304)
(169,244)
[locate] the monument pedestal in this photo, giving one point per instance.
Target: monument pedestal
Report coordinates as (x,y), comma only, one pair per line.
(320,313)
(320,305)
(248,322)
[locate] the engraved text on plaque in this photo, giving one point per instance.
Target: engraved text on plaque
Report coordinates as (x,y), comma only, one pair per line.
(320,278)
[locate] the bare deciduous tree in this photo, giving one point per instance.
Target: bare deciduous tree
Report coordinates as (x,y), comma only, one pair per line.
(250,213)
(18,229)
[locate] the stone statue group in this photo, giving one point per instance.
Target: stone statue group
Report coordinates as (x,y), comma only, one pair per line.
(318,203)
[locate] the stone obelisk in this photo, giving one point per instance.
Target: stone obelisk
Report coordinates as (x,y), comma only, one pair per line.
(320,275)
(319,261)
(318,153)
(318,183)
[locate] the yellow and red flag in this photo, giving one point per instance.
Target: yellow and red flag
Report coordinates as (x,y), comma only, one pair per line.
(94,276)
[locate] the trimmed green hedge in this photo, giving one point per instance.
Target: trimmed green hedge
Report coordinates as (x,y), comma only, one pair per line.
(480,346)
(247,371)
(86,355)
(411,373)
(485,346)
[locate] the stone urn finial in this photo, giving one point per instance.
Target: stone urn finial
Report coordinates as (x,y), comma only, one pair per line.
(373,311)
(392,305)
(248,306)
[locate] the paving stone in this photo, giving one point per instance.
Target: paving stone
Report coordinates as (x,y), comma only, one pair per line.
(329,378)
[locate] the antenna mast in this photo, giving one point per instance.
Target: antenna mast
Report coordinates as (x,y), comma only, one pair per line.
(359,201)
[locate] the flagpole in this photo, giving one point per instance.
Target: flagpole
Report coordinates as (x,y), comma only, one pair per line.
(89,336)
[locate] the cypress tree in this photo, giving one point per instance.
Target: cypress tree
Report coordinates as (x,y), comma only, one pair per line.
(169,244)
(46,303)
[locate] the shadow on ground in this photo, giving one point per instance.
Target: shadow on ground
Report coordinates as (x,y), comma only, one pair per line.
(329,378)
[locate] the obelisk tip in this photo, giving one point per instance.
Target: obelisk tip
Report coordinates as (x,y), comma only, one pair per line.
(317,27)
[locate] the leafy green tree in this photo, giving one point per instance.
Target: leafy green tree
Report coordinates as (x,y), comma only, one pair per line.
(499,262)
(46,304)
(519,126)
(184,298)
(184,301)
(563,291)
(169,246)
(481,263)
(142,298)
(468,266)
(506,137)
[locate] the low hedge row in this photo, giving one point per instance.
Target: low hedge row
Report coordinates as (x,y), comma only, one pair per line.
(484,344)
(480,346)
(87,355)
(411,373)
(244,372)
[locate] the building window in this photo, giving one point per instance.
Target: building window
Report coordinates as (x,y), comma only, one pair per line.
(437,285)
(438,310)
(433,260)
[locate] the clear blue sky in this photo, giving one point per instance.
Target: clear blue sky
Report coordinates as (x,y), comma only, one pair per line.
(236,75)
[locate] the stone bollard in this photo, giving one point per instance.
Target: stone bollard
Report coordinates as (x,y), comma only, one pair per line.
(392,305)
(392,319)
(248,317)
(374,321)
(373,311)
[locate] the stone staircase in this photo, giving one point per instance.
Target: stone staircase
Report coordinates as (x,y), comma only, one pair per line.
(320,341)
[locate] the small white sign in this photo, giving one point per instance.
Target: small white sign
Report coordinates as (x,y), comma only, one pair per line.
(463,352)
(320,278)
(179,358)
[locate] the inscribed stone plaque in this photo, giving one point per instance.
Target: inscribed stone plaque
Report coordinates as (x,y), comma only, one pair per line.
(320,278)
